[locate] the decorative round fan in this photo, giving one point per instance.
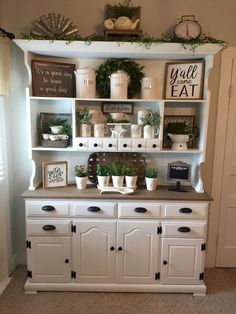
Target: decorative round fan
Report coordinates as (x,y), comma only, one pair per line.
(54,25)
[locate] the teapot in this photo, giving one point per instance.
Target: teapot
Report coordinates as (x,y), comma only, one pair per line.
(121,23)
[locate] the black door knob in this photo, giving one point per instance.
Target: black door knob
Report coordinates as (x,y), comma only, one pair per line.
(66,261)
(165,262)
(119,248)
(112,248)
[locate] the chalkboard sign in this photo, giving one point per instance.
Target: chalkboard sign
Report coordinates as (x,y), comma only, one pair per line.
(53,79)
(179,170)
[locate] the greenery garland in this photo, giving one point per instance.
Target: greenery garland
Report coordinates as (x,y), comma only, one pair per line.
(133,70)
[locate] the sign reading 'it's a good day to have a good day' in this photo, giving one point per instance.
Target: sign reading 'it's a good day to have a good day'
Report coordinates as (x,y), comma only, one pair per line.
(53,79)
(184,80)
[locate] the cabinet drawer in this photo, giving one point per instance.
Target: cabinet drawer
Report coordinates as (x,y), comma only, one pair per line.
(139,210)
(46,208)
(184,229)
(97,209)
(48,227)
(186,210)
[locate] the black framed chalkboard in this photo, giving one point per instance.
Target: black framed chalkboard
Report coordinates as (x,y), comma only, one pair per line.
(53,79)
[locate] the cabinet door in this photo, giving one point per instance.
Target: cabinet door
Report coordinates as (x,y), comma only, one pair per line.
(182,261)
(94,251)
(137,251)
(49,259)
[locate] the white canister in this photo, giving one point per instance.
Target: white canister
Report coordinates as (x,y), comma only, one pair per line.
(119,85)
(85,83)
(148,88)
(136,130)
(149,131)
(99,129)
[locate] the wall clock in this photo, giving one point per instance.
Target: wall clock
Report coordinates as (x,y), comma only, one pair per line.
(188,28)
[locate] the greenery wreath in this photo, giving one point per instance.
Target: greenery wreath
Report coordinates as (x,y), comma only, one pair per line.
(133,70)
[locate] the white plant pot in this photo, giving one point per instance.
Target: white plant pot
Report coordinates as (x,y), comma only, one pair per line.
(151,183)
(81,182)
(117,181)
(131,182)
(103,181)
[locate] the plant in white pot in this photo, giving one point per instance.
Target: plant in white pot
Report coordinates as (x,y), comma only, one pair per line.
(151,123)
(151,178)
(81,176)
(131,176)
(103,175)
(117,173)
(84,117)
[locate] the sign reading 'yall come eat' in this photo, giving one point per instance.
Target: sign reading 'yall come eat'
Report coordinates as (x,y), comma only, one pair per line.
(184,80)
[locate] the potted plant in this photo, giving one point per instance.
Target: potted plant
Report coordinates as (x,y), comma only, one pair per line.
(103,175)
(180,134)
(131,176)
(81,176)
(84,118)
(151,121)
(117,173)
(151,178)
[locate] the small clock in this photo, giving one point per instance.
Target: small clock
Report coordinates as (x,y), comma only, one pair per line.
(188,28)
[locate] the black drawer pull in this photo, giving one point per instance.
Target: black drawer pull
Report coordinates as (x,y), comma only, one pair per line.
(48,208)
(154,145)
(49,227)
(93,209)
(110,145)
(125,145)
(66,261)
(164,262)
(119,248)
(140,210)
(81,144)
(139,145)
(95,145)
(185,210)
(184,229)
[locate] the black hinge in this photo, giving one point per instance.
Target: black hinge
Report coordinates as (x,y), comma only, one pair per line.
(28,244)
(73,228)
(73,274)
(29,273)
(203,247)
(201,275)
(159,230)
(157,276)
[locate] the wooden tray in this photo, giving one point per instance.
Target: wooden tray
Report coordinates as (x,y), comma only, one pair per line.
(135,159)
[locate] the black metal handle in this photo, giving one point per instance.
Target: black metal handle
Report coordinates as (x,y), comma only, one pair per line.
(95,145)
(66,261)
(139,145)
(81,144)
(110,145)
(185,210)
(165,262)
(49,227)
(140,210)
(48,208)
(184,229)
(93,209)
(119,248)
(154,145)
(112,248)
(125,145)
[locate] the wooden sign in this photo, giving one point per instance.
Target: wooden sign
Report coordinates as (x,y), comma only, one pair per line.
(184,80)
(53,79)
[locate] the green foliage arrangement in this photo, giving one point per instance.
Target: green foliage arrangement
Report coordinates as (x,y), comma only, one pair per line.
(80,171)
(116,169)
(102,170)
(132,68)
(123,8)
(83,115)
(152,118)
(152,172)
(45,128)
(178,128)
(130,170)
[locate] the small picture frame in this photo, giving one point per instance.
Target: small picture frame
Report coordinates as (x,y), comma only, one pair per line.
(184,80)
(55,174)
(125,107)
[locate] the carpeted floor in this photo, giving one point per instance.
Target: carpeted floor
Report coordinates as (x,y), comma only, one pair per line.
(220,299)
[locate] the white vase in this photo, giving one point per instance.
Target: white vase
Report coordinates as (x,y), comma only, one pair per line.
(151,183)
(81,182)
(118,181)
(131,182)
(103,181)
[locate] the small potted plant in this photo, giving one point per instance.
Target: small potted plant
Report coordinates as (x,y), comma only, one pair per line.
(81,176)
(151,123)
(151,178)
(117,173)
(84,118)
(103,175)
(131,176)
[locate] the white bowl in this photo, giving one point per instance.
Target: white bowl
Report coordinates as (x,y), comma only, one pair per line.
(56,129)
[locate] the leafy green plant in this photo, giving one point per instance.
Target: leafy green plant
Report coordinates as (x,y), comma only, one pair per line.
(80,171)
(152,118)
(123,8)
(45,127)
(177,128)
(152,172)
(102,170)
(130,170)
(116,169)
(83,115)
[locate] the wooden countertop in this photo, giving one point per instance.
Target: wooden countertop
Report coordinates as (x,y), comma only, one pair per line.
(91,192)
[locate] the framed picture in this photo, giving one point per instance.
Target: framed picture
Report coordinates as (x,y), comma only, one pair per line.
(180,120)
(125,107)
(184,80)
(55,174)
(53,79)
